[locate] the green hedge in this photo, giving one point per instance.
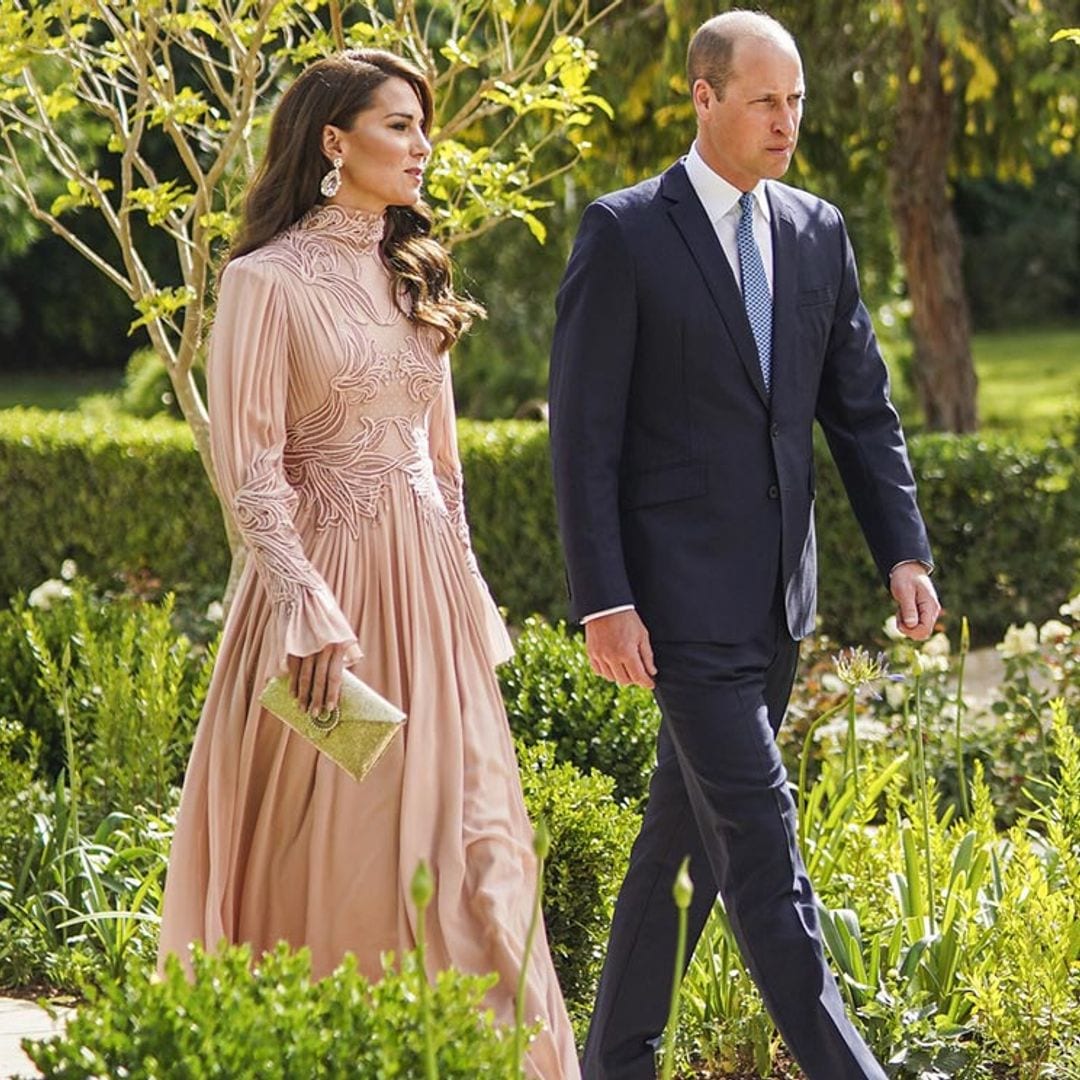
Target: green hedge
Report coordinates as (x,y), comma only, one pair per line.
(115,496)
(1004,519)
(1004,522)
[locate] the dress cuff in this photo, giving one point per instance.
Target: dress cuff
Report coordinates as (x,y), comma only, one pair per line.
(310,622)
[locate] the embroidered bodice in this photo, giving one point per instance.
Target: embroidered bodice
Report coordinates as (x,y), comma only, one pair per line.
(345,395)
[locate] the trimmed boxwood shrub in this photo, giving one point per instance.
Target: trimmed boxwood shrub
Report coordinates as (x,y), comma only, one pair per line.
(552,694)
(1004,522)
(591,835)
(276,1024)
(512,510)
(1004,518)
(122,495)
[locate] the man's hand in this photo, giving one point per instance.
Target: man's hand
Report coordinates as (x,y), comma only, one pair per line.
(315,681)
(917,607)
(619,649)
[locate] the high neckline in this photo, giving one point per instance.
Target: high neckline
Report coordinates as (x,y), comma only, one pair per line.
(364,228)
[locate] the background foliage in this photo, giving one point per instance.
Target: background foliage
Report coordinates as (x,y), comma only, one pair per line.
(1004,519)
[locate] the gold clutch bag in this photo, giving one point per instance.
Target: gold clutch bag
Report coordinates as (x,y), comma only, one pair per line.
(354,735)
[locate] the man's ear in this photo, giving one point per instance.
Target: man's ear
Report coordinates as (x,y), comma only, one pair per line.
(702,95)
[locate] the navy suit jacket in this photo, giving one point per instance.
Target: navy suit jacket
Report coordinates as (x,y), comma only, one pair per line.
(682,487)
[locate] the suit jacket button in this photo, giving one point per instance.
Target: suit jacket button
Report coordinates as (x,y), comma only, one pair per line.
(774,492)
(774,431)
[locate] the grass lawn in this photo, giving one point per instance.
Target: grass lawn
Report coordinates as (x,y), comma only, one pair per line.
(1028,379)
(55,390)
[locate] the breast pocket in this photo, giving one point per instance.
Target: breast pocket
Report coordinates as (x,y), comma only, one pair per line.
(818,296)
(657,486)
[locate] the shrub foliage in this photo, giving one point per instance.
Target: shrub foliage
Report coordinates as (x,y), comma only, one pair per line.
(552,693)
(275,1022)
(124,496)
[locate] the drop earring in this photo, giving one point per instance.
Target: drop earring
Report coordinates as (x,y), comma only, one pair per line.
(331,182)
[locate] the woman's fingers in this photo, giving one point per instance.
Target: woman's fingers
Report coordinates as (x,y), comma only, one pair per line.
(315,681)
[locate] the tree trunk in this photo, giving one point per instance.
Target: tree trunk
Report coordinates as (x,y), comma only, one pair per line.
(930,245)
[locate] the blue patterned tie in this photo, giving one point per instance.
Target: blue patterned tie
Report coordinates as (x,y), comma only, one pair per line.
(755,287)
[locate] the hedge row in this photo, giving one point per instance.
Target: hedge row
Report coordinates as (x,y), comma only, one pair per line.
(1004,519)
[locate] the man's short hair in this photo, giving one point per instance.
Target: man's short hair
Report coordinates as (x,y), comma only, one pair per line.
(712,48)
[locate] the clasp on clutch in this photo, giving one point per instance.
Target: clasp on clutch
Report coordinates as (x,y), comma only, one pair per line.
(325,721)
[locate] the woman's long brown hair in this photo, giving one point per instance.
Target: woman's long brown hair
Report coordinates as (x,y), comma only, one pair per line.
(334,91)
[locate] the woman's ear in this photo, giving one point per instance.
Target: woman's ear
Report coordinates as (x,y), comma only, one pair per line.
(331,141)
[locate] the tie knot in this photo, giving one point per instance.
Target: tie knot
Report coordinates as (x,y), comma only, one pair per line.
(746,203)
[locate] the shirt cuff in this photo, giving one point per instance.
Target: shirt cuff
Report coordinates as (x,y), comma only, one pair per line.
(928,567)
(607,611)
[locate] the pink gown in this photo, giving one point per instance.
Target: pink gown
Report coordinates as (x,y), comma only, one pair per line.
(334,441)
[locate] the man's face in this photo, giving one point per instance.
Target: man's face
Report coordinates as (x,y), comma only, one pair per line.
(750,133)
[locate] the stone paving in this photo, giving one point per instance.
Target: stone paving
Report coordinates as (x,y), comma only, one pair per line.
(18,1020)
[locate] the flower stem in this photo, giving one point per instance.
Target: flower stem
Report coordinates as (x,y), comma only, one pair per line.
(541,847)
(804,762)
(853,744)
(961,770)
(924,798)
(683,892)
(422,889)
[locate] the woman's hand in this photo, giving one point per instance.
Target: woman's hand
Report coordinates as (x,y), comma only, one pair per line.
(315,681)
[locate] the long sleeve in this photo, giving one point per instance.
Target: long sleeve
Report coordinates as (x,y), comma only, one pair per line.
(442,440)
(592,360)
(442,436)
(864,432)
(247,376)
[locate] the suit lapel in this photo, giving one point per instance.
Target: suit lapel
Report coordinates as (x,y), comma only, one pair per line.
(785,290)
(689,217)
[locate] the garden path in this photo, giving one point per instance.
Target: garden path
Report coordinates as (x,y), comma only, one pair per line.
(18,1020)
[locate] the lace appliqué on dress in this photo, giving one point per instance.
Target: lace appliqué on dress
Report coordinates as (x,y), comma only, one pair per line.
(452,489)
(263,507)
(371,425)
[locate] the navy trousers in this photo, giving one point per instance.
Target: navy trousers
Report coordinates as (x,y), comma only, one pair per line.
(720,795)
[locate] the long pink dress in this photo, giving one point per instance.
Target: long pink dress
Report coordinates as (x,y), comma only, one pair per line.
(334,441)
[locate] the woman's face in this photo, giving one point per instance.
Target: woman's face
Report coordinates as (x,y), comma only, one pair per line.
(383,153)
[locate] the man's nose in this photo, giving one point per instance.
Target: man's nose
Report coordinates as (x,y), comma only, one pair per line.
(787,120)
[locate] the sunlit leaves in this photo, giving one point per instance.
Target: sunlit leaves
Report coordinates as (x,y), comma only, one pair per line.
(79,194)
(160,201)
(186,107)
(162,304)
(171,100)
(471,187)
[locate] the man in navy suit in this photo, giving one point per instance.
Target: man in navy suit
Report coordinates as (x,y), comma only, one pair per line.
(707,317)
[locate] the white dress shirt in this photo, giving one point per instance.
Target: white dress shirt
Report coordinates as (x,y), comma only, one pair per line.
(721,202)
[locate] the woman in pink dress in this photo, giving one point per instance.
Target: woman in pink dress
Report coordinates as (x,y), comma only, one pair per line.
(333,435)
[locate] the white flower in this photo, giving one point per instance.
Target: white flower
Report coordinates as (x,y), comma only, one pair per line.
(47,592)
(831,683)
(68,569)
(1053,632)
(892,630)
(938,646)
(214,611)
(1019,641)
(868,729)
(934,663)
(1072,608)
(895,693)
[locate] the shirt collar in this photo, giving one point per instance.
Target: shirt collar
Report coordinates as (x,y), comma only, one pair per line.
(716,194)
